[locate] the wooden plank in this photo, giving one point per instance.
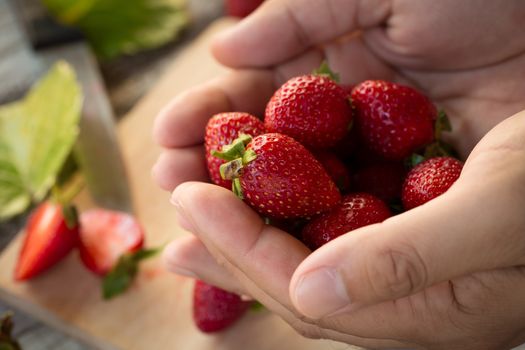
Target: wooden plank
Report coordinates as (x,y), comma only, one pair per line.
(156,313)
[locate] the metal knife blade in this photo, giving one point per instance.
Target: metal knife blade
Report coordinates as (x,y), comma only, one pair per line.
(97,148)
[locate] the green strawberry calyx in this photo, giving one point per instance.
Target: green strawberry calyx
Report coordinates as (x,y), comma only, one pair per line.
(237,157)
(121,276)
(438,148)
(325,71)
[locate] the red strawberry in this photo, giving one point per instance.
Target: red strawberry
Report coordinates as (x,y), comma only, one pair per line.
(291,226)
(241,8)
(221,130)
(336,169)
(215,309)
(313,109)
(348,89)
(383,180)
(355,211)
(393,120)
(280,178)
(107,235)
(49,238)
(346,148)
(430,179)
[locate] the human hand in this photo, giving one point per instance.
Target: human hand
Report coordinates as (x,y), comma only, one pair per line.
(447,275)
(442,47)
(474,107)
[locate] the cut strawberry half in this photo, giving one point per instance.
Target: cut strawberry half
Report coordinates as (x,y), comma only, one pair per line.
(51,233)
(107,235)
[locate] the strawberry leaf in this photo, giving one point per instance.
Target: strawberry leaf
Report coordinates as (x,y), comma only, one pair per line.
(7,342)
(120,278)
(70,215)
(325,71)
(36,136)
(415,159)
(115,27)
(442,124)
(257,306)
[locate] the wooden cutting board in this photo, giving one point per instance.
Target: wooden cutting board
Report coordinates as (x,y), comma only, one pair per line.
(156,312)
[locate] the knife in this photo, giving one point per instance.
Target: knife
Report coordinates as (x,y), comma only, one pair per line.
(97,149)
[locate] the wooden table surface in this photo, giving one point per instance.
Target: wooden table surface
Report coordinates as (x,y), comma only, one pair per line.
(127,80)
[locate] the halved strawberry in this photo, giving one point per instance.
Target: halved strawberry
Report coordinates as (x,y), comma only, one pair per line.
(48,239)
(105,236)
(111,245)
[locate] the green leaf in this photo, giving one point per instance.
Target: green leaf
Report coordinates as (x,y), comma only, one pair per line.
(415,159)
(115,27)
(120,278)
(257,306)
(324,70)
(441,125)
(36,136)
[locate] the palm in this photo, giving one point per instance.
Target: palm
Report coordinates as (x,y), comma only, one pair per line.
(476,79)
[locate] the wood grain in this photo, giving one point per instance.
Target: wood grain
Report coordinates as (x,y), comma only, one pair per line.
(156,312)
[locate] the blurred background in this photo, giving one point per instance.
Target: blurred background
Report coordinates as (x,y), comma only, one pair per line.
(118,50)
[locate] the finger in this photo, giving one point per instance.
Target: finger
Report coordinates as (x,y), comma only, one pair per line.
(349,58)
(264,254)
(282,29)
(261,257)
(460,232)
(182,122)
(179,165)
(187,256)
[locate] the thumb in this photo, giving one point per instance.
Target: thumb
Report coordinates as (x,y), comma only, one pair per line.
(453,235)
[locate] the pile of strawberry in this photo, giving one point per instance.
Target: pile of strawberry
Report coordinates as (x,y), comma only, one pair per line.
(110,243)
(329,159)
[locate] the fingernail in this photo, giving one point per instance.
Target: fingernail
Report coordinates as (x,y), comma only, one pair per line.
(320,292)
(182,217)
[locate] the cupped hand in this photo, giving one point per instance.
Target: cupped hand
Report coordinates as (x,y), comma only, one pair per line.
(467,56)
(446,275)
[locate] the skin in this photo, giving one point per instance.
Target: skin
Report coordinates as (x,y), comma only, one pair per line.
(447,275)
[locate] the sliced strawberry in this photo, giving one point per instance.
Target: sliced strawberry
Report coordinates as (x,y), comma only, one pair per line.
(107,235)
(48,239)
(215,309)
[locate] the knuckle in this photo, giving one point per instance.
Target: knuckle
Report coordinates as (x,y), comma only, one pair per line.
(397,271)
